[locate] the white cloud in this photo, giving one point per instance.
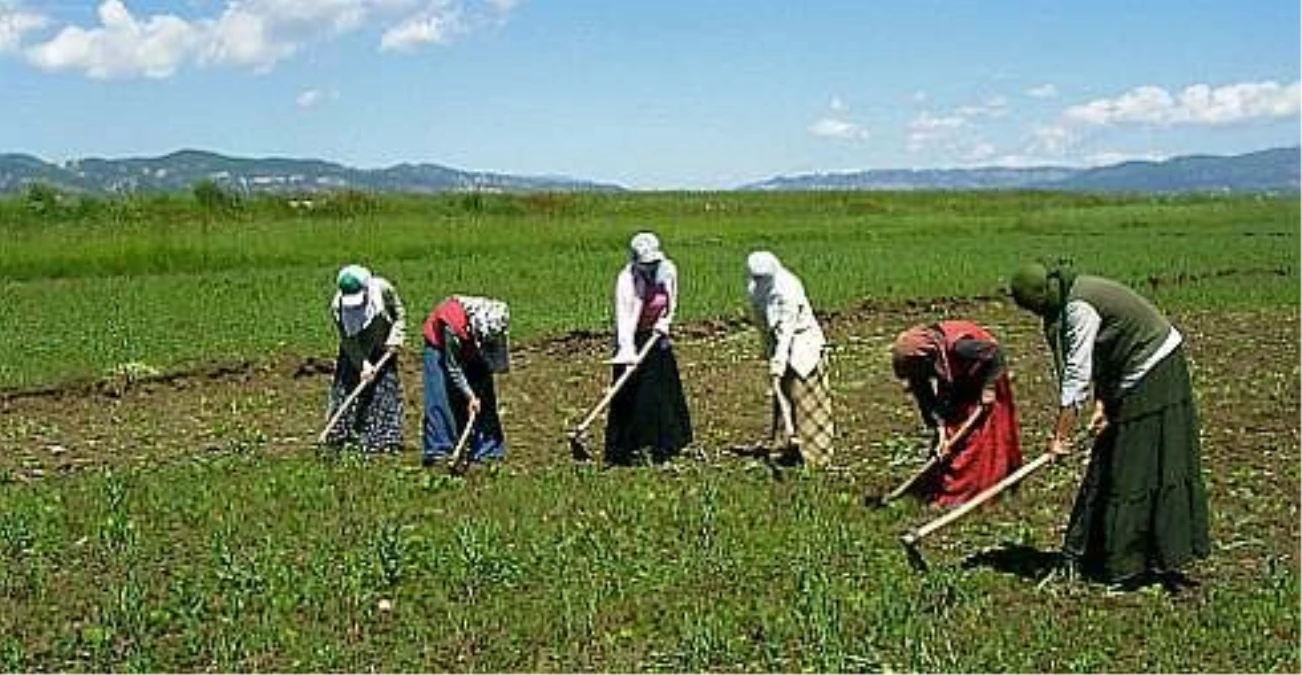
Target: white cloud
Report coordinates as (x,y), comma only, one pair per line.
(255,34)
(1046,90)
(926,129)
(837,105)
(504,6)
(1197,105)
(311,98)
(437,24)
(121,45)
(15,23)
(839,129)
(995,106)
(1107,158)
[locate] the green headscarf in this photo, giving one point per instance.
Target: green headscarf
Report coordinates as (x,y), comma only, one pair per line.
(1043,291)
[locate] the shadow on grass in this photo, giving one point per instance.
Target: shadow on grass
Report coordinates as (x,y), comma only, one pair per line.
(1020,560)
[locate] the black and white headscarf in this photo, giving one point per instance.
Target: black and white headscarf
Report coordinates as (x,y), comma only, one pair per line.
(490,324)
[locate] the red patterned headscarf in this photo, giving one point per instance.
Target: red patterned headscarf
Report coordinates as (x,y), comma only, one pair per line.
(918,346)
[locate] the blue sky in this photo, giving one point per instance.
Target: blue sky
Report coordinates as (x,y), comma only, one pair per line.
(652,94)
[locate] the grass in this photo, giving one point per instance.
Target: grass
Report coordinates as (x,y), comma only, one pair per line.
(249,563)
(250,557)
(170,287)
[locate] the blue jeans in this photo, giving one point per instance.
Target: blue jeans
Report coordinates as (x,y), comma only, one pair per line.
(446,414)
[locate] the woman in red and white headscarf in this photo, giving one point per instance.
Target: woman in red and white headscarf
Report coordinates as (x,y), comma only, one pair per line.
(956,372)
(649,415)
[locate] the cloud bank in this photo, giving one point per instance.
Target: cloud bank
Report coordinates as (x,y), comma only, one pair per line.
(252,34)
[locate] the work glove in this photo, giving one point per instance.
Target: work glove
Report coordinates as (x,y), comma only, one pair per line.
(777,368)
(661,327)
(369,371)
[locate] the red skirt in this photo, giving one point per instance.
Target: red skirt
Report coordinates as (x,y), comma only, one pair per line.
(991,451)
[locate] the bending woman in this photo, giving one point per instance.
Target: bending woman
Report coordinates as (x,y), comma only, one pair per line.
(649,415)
(956,372)
(1142,508)
(793,344)
(371,322)
(466,343)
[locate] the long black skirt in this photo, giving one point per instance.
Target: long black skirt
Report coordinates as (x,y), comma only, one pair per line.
(1142,507)
(648,418)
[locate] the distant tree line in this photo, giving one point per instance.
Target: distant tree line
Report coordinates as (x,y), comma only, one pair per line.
(208,200)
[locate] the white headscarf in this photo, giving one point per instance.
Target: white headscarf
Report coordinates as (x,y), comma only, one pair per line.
(645,248)
(763,268)
(354,318)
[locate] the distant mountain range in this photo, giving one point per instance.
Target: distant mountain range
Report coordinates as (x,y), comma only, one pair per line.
(181,170)
(1276,170)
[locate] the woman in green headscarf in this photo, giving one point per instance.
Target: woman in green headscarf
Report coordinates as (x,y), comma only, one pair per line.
(1141,512)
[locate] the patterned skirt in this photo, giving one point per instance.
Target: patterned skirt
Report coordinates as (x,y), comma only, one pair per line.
(811,413)
(374,419)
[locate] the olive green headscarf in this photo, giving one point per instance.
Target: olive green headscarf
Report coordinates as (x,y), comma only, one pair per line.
(1043,291)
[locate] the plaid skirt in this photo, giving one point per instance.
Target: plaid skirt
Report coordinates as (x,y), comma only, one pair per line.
(811,413)
(374,419)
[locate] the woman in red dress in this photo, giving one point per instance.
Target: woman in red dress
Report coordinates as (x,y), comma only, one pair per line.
(956,372)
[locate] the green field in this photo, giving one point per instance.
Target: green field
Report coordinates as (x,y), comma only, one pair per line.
(165,285)
(203,532)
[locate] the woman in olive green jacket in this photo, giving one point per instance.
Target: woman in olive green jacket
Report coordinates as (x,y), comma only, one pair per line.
(1141,512)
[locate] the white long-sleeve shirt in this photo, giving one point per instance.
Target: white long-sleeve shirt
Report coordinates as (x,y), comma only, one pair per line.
(791,331)
(630,290)
(1083,323)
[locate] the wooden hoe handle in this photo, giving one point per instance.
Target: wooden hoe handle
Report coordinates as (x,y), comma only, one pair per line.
(357,391)
(619,384)
(913,536)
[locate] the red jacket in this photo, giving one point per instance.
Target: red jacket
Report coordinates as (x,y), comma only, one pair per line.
(450,315)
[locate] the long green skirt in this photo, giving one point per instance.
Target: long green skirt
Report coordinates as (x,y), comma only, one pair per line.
(1142,507)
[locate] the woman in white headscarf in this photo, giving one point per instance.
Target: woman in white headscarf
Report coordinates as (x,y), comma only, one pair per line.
(466,343)
(793,344)
(371,322)
(650,413)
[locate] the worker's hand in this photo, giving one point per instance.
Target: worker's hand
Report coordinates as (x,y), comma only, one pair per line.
(623,358)
(1060,446)
(1098,420)
(473,405)
(988,396)
(941,439)
(369,371)
(777,368)
(661,327)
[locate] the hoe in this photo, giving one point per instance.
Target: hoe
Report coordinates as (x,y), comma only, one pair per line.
(578,437)
(348,402)
(939,457)
(911,538)
(460,458)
